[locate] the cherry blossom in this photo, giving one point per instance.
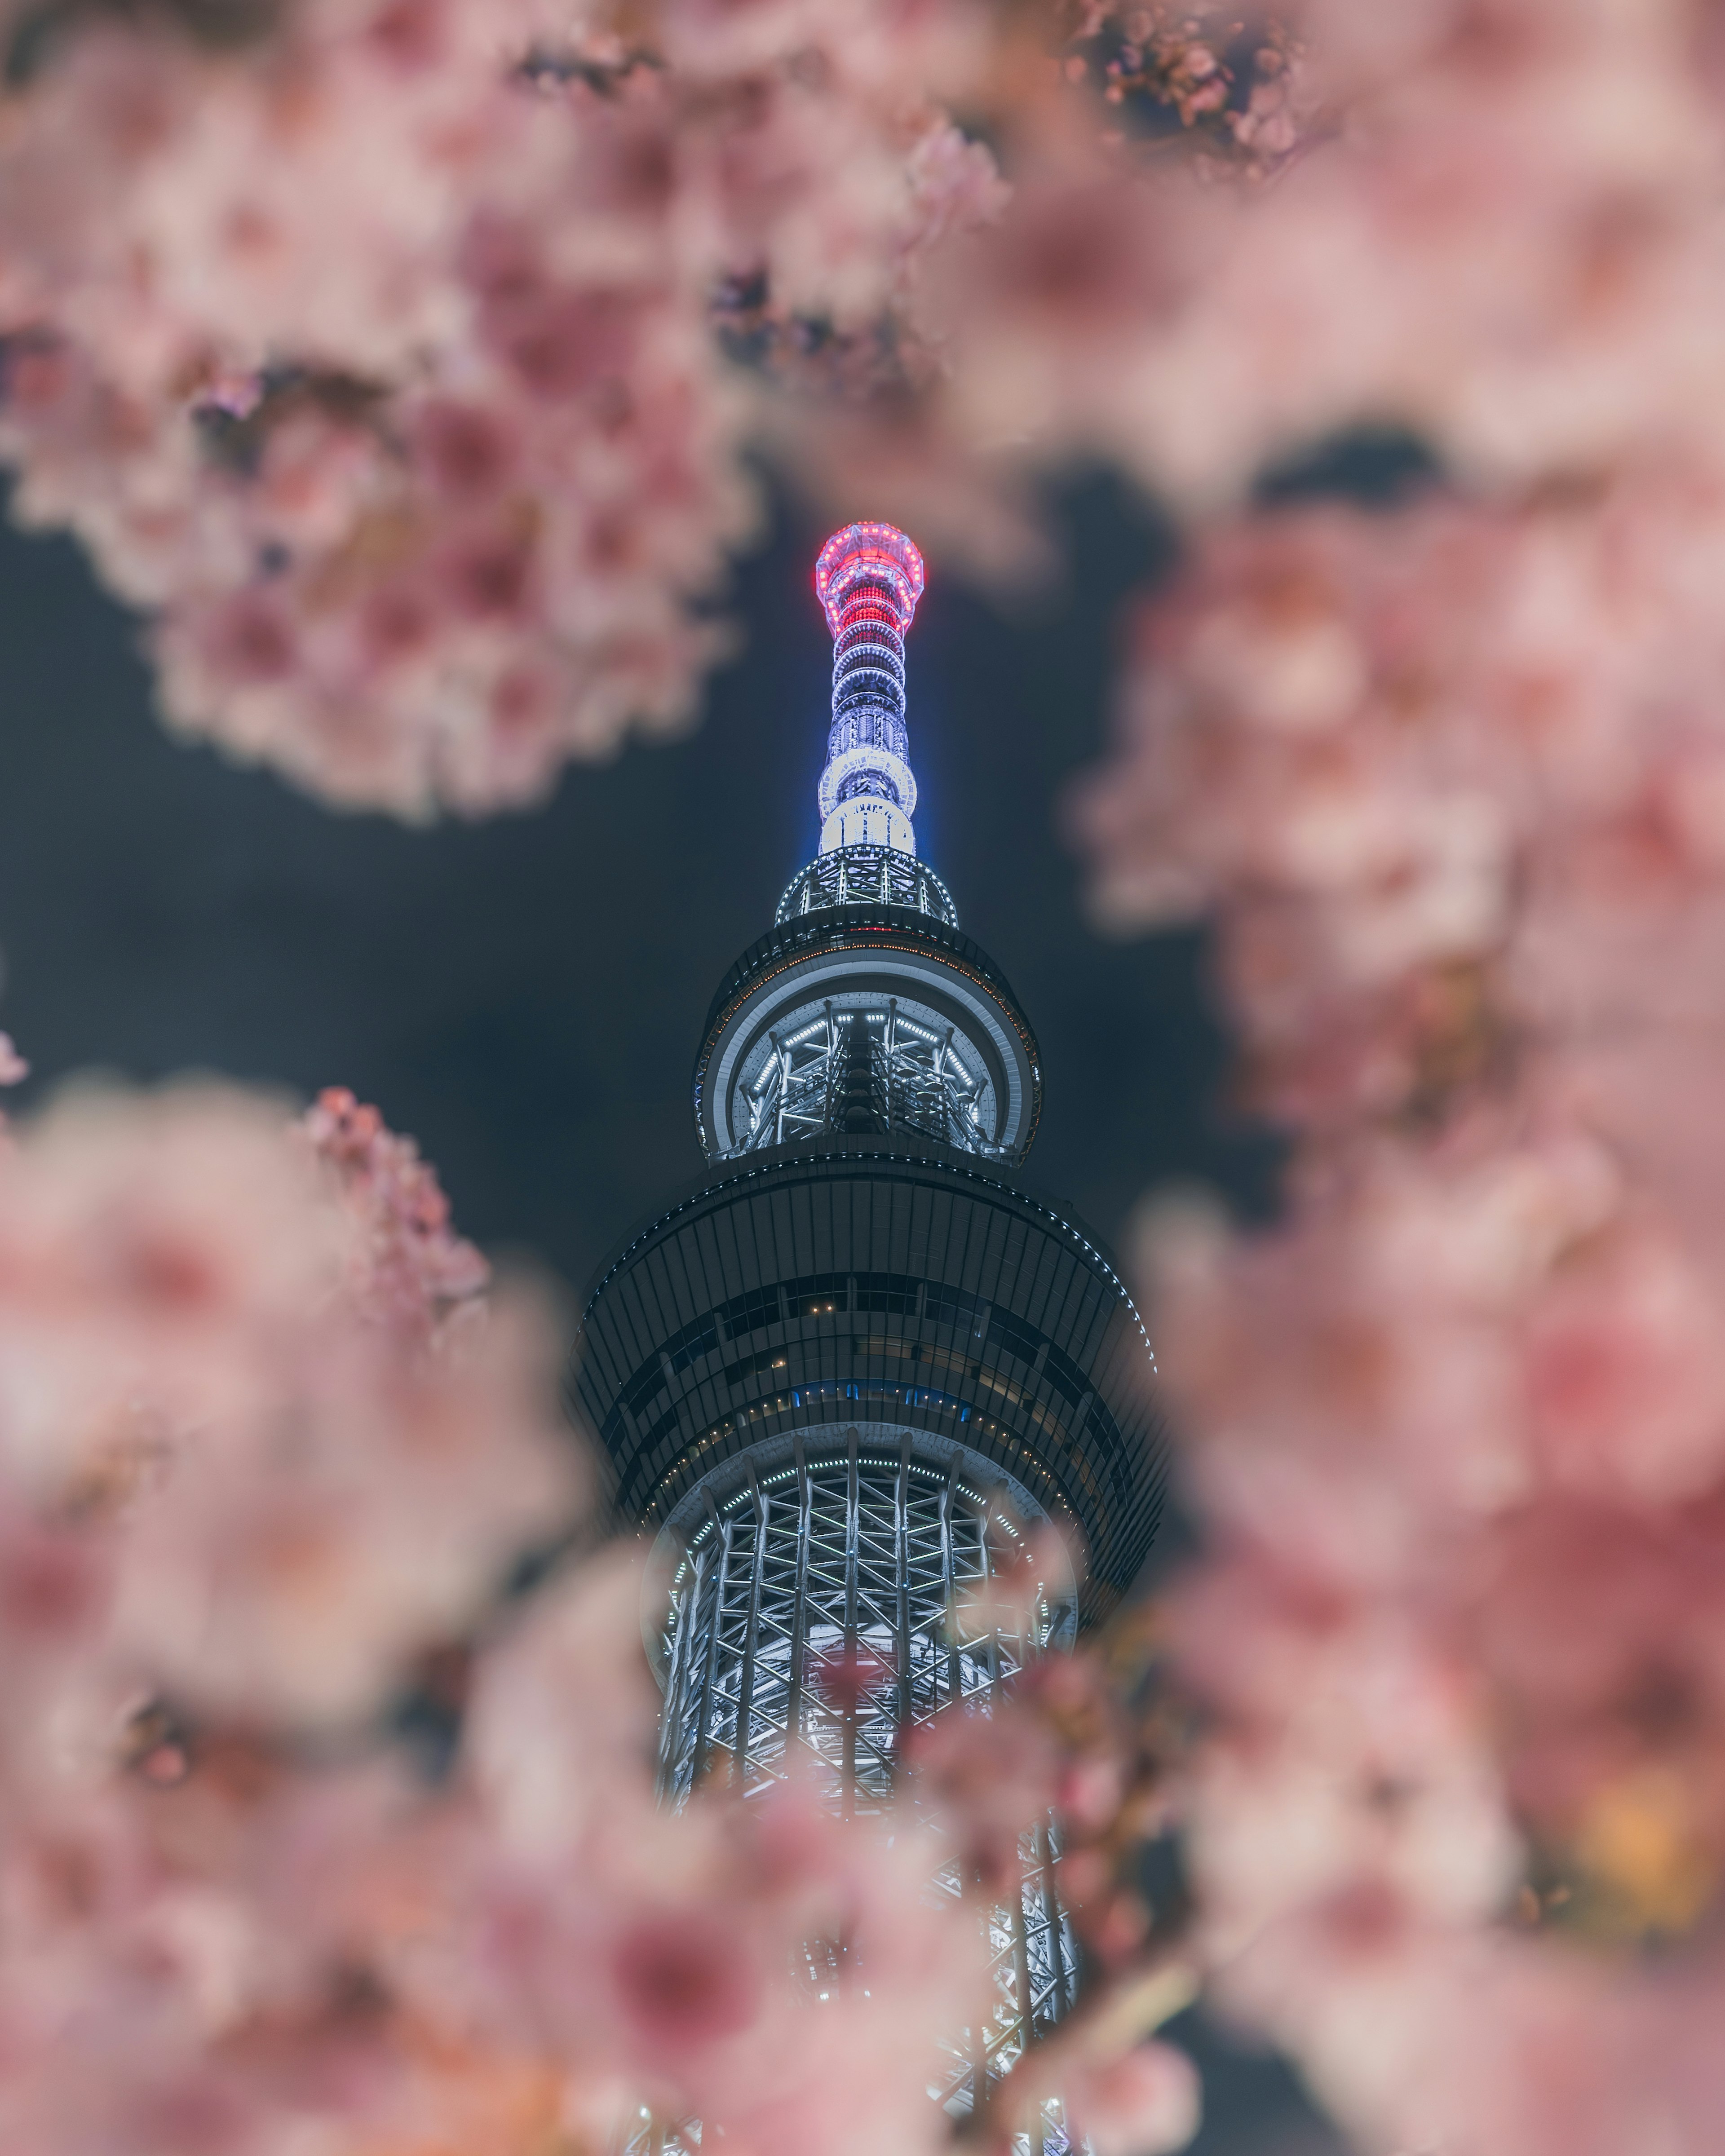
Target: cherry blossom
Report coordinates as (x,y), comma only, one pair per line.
(1144,2102)
(408,1266)
(768,1967)
(1451,1637)
(1400,772)
(1457,1422)
(1239,84)
(291,1499)
(1437,777)
(372,348)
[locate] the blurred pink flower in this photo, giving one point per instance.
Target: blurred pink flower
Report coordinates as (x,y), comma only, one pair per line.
(1140,2104)
(986,1778)
(1456,1423)
(297,1497)
(408,1266)
(1428,787)
(374,351)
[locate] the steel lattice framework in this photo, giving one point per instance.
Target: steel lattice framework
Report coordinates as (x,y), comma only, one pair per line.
(868,1070)
(867,875)
(823,1601)
(806,1576)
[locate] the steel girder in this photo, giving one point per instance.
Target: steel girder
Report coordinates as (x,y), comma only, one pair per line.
(834,1603)
(920,1079)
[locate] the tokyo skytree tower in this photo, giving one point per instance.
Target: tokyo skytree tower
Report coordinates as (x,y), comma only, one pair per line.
(844,1369)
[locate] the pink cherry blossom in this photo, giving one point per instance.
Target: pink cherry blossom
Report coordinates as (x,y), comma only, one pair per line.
(375,351)
(1398,771)
(409,1267)
(301,1496)
(1139,2105)
(769,1967)
(1456,1423)
(991,1776)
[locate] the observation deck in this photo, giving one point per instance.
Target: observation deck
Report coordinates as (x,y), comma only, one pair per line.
(869,1281)
(864,1017)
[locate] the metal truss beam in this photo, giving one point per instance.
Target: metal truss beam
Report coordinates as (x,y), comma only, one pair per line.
(824,1609)
(918,1079)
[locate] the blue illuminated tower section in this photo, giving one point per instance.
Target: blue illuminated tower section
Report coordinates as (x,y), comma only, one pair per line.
(843,1372)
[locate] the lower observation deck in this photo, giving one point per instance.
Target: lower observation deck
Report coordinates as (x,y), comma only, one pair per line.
(883,1281)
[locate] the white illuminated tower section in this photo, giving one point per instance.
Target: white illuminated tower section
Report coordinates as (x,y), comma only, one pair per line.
(840,1375)
(869,578)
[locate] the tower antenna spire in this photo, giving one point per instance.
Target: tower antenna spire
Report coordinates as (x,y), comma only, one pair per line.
(869,578)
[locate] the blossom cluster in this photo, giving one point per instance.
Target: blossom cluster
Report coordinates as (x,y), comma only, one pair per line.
(1457,1445)
(1241,84)
(1440,774)
(239,1501)
(264,1469)
(370,345)
(1446,778)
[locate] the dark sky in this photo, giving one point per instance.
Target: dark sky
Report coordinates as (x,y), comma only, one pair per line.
(526,996)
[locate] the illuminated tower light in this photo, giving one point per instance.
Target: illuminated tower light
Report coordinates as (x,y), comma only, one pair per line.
(869,579)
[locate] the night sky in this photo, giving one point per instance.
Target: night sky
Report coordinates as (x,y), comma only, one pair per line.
(526,996)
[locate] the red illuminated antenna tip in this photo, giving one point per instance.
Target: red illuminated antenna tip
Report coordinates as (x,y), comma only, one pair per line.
(874,554)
